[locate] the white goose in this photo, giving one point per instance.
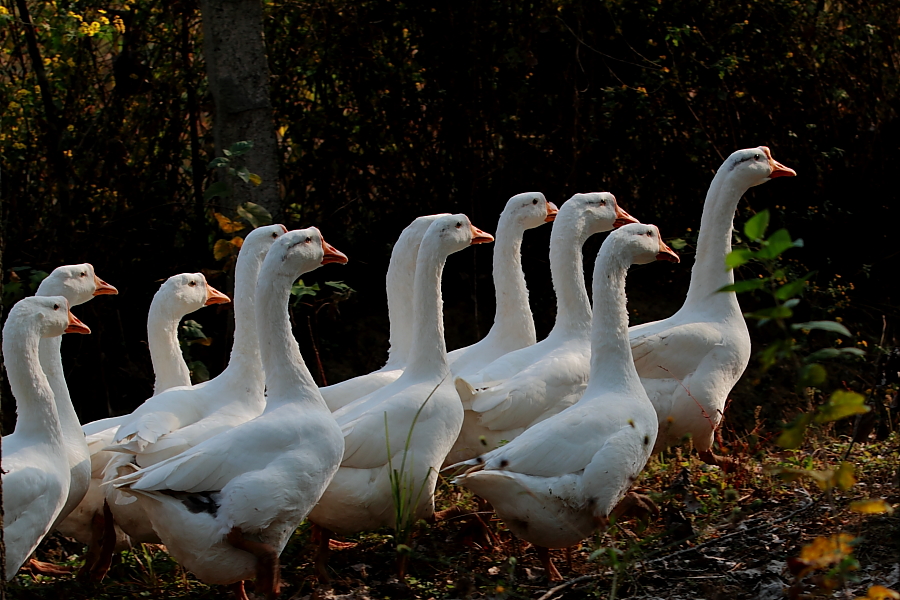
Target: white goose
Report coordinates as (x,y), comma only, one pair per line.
(400,276)
(360,495)
(179,418)
(37,474)
(180,295)
(559,481)
(689,362)
(526,386)
(226,507)
(513,324)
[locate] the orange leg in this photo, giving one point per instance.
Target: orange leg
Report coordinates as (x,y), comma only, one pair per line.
(238,590)
(268,569)
(44,568)
(549,567)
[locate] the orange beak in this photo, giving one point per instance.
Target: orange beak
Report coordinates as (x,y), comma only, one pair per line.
(623,218)
(551,212)
(103,288)
(332,254)
(214,296)
(76,326)
(285,228)
(666,253)
(480,237)
(778,169)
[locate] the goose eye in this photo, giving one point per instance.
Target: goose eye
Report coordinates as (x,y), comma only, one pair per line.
(192,283)
(56,307)
(603,203)
(274,236)
(308,240)
(83,274)
(649,234)
(756,156)
(458,224)
(534,201)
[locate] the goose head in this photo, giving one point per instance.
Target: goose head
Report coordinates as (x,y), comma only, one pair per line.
(258,241)
(452,233)
(189,292)
(530,210)
(754,166)
(77,283)
(599,210)
(642,243)
(302,250)
(50,315)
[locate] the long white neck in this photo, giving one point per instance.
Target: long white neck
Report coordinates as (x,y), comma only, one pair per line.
(573,309)
(245,363)
(714,243)
(512,319)
(287,378)
(165,353)
(612,364)
(38,417)
(400,283)
(428,354)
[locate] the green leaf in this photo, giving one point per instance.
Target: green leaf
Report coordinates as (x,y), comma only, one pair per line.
(743,286)
(755,228)
(299,289)
(244,174)
(340,286)
(239,148)
(841,404)
(255,214)
(812,375)
(219,188)
(824,326)
(792,435)
(826,353)
(677,243)
(792,288)
(217,162)
(738,257)
(774,312)
(777,243)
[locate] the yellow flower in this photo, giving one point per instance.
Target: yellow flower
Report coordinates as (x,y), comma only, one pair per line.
(19,146)
(70,128)
(118,24)
(3,10)
(14,105)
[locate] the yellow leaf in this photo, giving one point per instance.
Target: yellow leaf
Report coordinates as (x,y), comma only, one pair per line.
(255,179)
(222,249)
(825,551)
(841,404)
(871,506)
(879,592)
(227,225)
(237,242)
(843,478)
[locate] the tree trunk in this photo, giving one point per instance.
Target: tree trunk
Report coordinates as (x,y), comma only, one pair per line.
(235,54)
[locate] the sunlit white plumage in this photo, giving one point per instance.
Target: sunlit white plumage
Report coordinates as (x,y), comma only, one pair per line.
(558,482)
(400,277)
(264,475)
(376,426)
(689,362)
(528,385)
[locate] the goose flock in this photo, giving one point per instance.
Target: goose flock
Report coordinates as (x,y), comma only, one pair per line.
(551,433)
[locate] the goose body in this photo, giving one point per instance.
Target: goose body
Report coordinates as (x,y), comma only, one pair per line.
(558,481)
(524,387)
(513,324)
(420,404)
(250,486)
(77,284)
(400,278)
(37,473)
(689,362)
(181,417)
(178,296)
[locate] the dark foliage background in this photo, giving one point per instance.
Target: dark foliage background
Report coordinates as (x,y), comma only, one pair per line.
(388,110)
